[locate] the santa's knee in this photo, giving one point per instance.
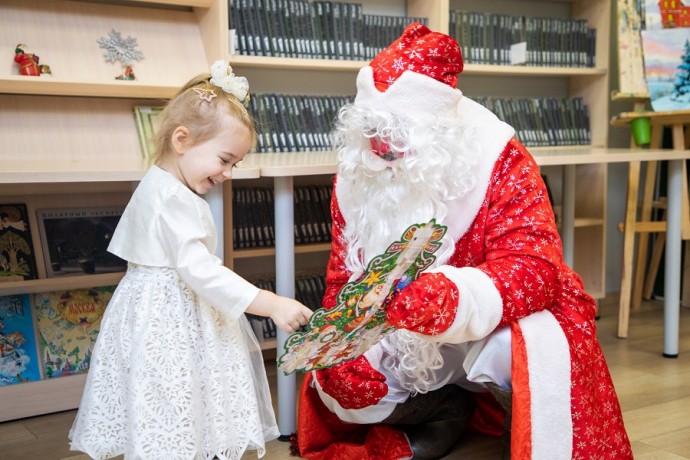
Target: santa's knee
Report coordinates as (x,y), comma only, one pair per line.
(373,413)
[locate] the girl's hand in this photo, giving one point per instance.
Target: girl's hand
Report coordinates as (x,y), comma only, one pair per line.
(287,314)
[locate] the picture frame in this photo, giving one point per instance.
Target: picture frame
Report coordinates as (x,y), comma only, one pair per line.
(17,257)
(75,240)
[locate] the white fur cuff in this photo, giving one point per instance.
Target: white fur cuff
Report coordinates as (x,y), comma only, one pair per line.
(480,307)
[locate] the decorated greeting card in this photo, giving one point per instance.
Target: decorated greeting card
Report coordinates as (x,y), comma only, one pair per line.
(359,319)
(68,323)
(18,352)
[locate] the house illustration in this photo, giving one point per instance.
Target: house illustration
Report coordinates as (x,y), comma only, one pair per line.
(674,13)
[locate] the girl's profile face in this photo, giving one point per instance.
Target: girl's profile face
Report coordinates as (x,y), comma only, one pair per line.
(205,165)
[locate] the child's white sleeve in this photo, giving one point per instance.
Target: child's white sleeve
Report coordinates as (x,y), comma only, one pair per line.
(187,232)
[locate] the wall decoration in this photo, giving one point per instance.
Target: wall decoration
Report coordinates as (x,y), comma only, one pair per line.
(122,50)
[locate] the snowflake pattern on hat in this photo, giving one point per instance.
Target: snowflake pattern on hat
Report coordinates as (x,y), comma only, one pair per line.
(420,50)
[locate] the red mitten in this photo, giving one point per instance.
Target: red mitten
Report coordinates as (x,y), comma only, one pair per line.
(354,383)
(427,305)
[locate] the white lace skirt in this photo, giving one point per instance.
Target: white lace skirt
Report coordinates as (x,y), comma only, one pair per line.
(171,378)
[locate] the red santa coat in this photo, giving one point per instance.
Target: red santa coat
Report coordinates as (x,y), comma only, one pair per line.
(508,267)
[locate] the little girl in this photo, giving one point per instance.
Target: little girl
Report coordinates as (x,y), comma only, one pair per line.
(176,372)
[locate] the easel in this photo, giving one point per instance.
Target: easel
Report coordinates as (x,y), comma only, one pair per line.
(677,120)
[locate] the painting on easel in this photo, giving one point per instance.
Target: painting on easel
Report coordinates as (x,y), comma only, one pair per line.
(666,49)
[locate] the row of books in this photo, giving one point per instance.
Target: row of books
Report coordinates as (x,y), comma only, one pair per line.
(318,30)
(253,216)
(543,121)
(486,38)
(49,334)
(293,123)
(309,290)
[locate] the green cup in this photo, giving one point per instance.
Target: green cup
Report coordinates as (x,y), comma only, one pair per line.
(642,130)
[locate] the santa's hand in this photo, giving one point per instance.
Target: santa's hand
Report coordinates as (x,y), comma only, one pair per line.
(354,384)
(427,305)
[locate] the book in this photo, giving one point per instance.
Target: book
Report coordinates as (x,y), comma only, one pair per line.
(18,349)
(75,240)
(147,120)
(17,259)
(67,324)
(358,321)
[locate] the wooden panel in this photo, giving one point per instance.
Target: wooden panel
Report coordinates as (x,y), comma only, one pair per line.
(64,35)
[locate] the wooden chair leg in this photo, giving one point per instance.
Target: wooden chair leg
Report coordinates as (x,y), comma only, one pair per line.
(643,238)
(654,262)
(628,248)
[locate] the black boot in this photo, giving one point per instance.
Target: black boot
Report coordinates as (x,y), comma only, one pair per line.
(505,399)
(434,421)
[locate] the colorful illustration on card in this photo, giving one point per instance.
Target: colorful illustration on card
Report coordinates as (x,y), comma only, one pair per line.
(667,68)
(18,351)
(359,319)
(68,323)
(17,261)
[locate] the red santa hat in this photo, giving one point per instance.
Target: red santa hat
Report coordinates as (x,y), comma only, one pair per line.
(417,73)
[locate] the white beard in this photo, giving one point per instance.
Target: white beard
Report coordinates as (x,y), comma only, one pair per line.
(382,198)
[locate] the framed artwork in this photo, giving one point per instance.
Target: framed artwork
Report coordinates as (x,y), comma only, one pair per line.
(67,324)
(17,259)
(75,240)
(18,349)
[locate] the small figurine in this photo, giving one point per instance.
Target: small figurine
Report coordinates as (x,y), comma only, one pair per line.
(128,74)
(28,62)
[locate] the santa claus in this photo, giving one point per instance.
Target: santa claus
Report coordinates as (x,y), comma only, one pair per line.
(498,317)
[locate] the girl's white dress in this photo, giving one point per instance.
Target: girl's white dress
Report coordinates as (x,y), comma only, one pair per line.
(176,371)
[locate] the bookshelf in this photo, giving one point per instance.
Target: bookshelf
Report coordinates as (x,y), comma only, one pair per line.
(320,76)
(44,161)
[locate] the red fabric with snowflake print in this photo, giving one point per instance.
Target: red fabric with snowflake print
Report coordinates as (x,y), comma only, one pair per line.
(354,384)
(427,305)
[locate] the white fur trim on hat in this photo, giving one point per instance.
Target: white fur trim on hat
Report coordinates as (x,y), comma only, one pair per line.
(412,94)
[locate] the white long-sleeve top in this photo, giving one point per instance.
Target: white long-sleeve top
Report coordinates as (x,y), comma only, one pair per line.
(165,224)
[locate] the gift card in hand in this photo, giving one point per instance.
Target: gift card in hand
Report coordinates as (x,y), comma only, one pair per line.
(359,319)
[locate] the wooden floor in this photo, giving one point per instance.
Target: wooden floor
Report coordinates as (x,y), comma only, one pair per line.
(654,393)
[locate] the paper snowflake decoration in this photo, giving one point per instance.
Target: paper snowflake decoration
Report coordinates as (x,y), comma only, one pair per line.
(120,49)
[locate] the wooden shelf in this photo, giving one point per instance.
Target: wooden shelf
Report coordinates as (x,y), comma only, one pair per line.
(269,252)
(41,397)
(280,63)
(60,283)
(54,86)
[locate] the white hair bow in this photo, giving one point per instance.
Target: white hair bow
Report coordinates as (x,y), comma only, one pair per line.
(223,77)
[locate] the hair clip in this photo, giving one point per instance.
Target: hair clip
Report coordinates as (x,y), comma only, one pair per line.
(205,94)
(223,77)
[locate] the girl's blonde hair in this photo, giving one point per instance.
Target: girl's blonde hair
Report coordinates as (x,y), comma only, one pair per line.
(202,116)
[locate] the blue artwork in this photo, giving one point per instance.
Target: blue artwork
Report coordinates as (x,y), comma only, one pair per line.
(667,68)
(18,351)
